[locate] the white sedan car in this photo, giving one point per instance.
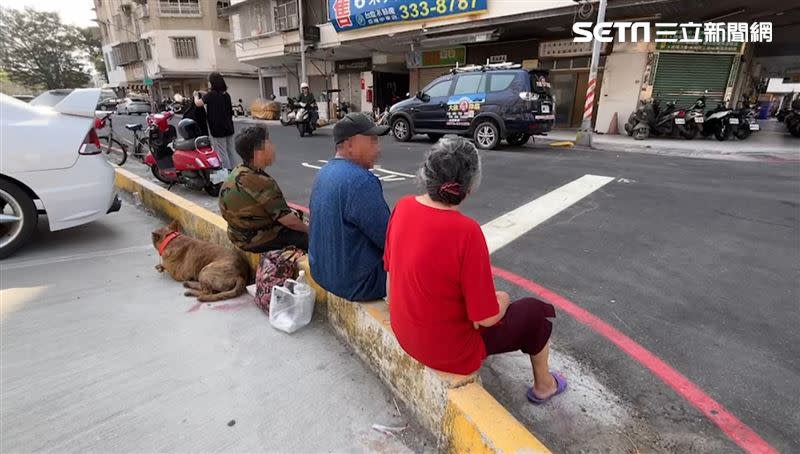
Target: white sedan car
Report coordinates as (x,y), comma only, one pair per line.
(51,163)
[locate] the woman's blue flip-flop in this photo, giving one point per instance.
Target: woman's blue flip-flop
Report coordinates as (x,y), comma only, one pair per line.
(561,386)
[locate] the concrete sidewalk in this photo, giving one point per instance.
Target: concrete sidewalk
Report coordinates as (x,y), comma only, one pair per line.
(771,143)
(100,353)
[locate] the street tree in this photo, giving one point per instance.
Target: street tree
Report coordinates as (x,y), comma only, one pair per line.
(40,51)
(94,49)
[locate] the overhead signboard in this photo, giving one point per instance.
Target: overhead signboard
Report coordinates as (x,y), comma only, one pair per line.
(354,14)
(354,66)
(449,56)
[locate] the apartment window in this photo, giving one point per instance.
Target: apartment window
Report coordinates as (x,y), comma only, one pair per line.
(184,47)
(224,42)
(286,14)
(254,19)
(179,7)
(283,91)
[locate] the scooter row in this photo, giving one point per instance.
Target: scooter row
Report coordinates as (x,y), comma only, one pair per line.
(791,117)
(652,118)
(189,159)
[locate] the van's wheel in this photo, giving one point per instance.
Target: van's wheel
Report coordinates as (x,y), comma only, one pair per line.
(18,218)
(486,135)
(518,139)
(401,130)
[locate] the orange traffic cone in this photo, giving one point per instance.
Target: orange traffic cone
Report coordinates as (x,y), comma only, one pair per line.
(613,128)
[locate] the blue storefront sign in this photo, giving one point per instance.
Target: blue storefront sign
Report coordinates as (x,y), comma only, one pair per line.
(354,14)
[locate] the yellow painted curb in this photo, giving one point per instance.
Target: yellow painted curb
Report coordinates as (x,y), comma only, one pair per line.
(476,424)
(456,408)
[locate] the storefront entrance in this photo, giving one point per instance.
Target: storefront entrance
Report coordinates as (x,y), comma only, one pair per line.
(569,89)
(390,88)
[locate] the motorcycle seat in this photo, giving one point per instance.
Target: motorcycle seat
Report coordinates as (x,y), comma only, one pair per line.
(134,126)
(183,144)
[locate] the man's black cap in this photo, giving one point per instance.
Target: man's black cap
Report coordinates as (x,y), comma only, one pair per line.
(356,123)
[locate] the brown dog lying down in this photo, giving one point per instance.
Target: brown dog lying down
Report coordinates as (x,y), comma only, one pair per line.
(210,272)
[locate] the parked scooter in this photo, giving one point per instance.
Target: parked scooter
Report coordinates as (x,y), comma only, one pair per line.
(306,119)
(717,123)
(792,120)
(289,112)
(689,122)
(743,121)
(653,119)
(190,161)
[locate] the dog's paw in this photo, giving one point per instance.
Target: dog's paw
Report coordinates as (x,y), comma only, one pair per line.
(160,268)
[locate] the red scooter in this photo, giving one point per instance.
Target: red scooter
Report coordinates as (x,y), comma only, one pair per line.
(190,160)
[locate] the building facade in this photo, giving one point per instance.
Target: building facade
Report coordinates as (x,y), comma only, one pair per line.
(375,52)
(166,47)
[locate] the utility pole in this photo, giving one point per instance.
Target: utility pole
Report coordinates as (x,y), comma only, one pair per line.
(302,42)
(584,137)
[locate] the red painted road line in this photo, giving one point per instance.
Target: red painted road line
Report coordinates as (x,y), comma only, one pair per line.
(735,429)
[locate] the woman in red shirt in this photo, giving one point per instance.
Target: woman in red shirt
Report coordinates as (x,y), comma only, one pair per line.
(443,306)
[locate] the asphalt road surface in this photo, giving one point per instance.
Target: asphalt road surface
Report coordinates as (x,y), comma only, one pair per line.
(694,262)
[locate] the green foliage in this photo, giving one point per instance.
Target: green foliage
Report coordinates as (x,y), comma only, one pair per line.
(39,51)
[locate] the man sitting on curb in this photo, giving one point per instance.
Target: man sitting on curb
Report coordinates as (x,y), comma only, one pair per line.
(259,219)
(350,215)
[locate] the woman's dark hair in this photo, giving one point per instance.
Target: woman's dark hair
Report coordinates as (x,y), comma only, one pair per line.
(217,82)
(452,169)
(248,140)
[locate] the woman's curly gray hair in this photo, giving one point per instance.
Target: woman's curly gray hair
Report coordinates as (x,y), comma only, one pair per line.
(452,169)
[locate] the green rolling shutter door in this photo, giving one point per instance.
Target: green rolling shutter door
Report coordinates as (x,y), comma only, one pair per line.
(685,77)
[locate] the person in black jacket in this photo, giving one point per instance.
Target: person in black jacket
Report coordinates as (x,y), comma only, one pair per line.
(198,114)
(219,112)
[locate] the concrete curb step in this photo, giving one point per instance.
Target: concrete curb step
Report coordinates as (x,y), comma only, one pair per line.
(455,408)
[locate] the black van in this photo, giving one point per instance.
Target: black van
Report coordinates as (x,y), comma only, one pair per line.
(487,103)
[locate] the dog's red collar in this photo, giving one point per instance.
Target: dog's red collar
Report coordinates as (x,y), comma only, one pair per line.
(170,236)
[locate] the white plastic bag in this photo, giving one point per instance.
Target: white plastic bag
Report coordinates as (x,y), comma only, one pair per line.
(291,306)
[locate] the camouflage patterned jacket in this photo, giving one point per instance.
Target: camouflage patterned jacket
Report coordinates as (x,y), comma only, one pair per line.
(251,202)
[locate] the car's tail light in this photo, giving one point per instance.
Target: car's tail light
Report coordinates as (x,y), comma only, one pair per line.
(681,114)
(99,124)
(91,144)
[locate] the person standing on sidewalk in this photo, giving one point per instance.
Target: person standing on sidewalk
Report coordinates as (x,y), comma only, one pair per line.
(219,111)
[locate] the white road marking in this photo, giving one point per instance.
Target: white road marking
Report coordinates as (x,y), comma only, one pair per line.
(512,225)
(70,258)
(391,175)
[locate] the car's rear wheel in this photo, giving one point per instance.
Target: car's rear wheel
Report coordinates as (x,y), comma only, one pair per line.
(486,135)
(401,130)
(518,139)
(18,218)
